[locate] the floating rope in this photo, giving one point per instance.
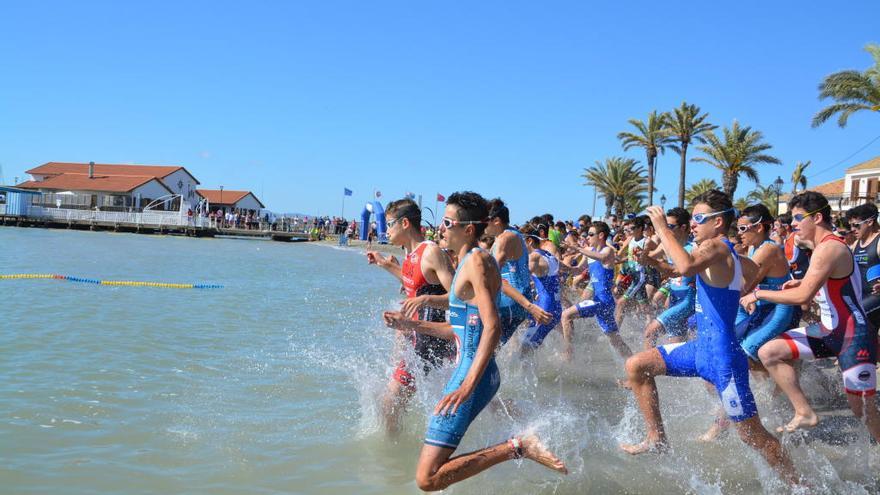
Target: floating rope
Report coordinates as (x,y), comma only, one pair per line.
(121,283)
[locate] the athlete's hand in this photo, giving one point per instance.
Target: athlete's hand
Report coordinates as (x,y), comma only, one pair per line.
(791,284)
(658,217)
(375,258)
(397,321)
(411,305)
(541,317)
(450,403)
(876,288)
(748,302)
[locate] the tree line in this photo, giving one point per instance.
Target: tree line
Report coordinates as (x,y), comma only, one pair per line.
(735,150)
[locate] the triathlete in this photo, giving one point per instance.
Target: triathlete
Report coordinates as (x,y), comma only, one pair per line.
(601,306)
(512,256)
(863,221)
(636,294)
(843,332)
(475,328)
(681,290)
(714,355)
(425,275)
(545,275)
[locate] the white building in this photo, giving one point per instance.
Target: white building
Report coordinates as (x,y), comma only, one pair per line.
(111,187)
(231,200)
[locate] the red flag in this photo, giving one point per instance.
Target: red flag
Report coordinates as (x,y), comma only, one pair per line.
(440,197)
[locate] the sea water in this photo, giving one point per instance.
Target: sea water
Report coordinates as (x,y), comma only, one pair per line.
(272,384)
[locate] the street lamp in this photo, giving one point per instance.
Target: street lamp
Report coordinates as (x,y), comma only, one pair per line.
(663,201)
(778,183)
(221,197)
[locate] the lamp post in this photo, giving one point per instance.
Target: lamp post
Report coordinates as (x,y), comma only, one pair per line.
(221,197)
(777,185)
(663,201)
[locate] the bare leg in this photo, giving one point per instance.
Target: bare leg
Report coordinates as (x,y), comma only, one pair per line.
(568,317)
(866,406)
(753,433)
(394,403)
(436,470)
(652,333)
(619,345)
(641,370)
(619,308)
(776,356)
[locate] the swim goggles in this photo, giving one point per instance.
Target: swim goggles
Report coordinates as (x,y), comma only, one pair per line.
(448,223)
(800,218)
(742,229)
(701,218)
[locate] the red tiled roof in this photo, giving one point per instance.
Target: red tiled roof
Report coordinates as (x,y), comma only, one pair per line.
(833,188)
(82,182)
(107,169)
(229,197)
(873,163)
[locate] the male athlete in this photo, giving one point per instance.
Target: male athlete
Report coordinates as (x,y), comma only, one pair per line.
(863,222)
(843,332)
(714,354)
(474,326)
(509,250)
(426,275)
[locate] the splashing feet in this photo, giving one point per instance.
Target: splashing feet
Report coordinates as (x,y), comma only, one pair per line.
(535,450)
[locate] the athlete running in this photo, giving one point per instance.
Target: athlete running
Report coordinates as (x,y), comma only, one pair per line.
(544,268)
(681,290)
(636,295)
(474,326)
(714,355)
(509,250)
(863,222)
(426,275)
(601,306)
(843,332)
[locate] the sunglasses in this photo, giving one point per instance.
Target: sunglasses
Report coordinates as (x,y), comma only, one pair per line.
(392,223)
(856,225)
(590,234)
(673,226)
(448,223)
(800,217)
(701,218)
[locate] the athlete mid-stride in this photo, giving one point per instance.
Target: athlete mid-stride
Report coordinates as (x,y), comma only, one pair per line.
(475,328)
(544,268)
(863,221)
(602,305)
(843,331)
(714,354)
(426,275)
(509,250)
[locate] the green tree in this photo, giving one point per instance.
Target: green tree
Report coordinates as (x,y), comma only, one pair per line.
(798,177)
(697,188)
(684,125)
(653,138)
(767,196)
(851,90)
(736,153)
(616,179)
(741,204)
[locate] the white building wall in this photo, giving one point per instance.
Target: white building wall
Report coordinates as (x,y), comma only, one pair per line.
(248,202)
(184,184)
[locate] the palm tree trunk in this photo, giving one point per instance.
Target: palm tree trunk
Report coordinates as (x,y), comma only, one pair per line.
(651,178)
(729,183)
(684,150)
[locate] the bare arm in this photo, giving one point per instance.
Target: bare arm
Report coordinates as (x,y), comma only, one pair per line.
(605,256)
(389,264)
(399,321)
(803,291)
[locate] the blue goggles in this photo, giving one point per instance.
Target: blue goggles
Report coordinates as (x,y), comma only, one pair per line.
(701,218)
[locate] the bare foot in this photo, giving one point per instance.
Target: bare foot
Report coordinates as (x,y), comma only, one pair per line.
(718,428)
(535,450)
(799,422)
(646,447)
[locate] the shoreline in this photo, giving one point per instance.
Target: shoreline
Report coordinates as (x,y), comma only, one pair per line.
(358,245)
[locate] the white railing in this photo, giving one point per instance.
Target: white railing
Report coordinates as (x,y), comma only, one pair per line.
(148,218)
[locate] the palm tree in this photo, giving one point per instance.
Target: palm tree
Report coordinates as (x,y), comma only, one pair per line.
(739,152)
(741,204)
(767,196)
(704,185)
(616,179)
(653,138)
(798,178)
(684,124)
(852,91)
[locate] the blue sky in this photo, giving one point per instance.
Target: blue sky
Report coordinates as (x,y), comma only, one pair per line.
(296,100)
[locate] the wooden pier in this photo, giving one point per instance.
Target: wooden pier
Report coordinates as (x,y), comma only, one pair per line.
(141,228)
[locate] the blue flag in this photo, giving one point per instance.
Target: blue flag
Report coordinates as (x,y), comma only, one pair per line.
(347,191)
